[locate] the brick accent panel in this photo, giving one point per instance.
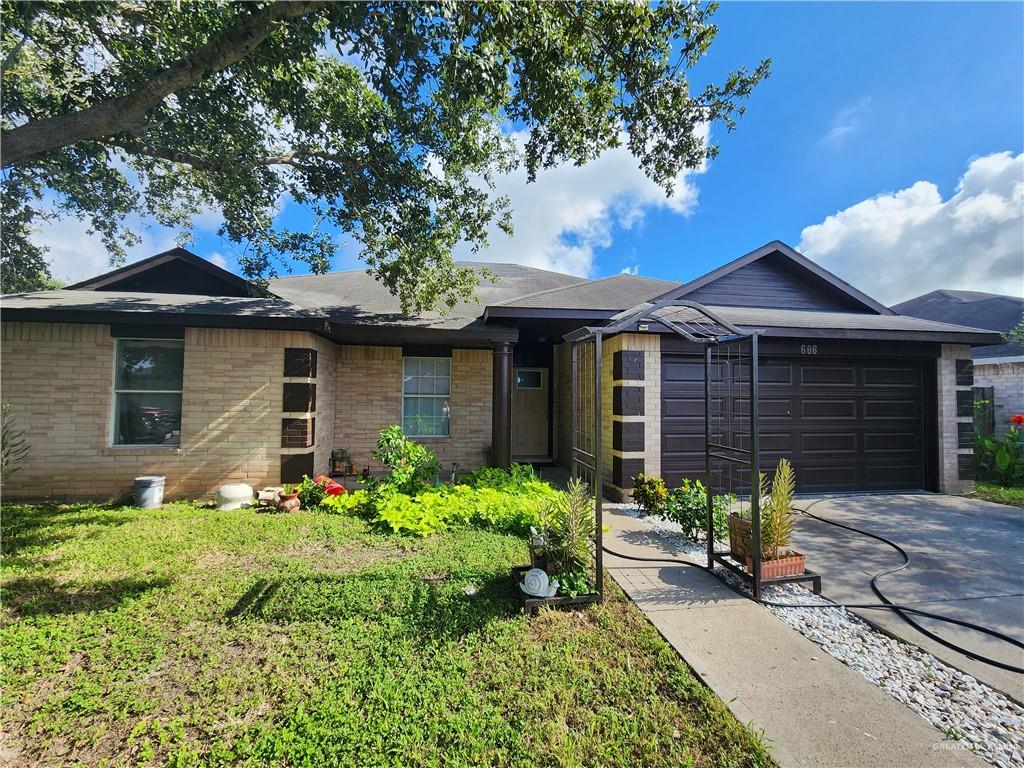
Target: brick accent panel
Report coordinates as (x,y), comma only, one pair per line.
(964,373)
(299,398)
(628,436)
(295,465)
(297,432)
(58,379)
(300,362)
(955,407)
(628,365)
(627,401)
(624,470)
(1007,382)
(369,398)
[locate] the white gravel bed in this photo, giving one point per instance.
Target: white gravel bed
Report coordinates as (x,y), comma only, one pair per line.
(965,710)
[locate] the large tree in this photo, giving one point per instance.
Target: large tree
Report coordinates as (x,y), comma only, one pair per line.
(388,120)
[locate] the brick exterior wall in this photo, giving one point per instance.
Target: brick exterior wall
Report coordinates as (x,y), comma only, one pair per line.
(1007,382)
(58,377)
(951,456)
(369,397)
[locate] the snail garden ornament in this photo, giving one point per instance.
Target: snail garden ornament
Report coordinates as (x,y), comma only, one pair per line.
(536,584)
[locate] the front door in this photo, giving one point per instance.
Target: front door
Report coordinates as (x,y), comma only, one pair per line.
(530,413)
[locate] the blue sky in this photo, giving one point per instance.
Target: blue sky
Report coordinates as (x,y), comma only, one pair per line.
(852,150)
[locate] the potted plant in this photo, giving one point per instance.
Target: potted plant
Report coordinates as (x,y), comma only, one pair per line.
(777,559)
(288,499)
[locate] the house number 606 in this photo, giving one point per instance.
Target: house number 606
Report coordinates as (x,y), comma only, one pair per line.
(808,349)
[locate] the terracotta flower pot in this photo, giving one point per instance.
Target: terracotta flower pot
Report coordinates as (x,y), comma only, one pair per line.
(794,564)
(288,501)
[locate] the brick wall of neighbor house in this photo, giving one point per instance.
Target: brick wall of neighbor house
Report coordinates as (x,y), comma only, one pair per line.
(640,390)
(58,378)
(368,398)
(1007,382)
(956,463)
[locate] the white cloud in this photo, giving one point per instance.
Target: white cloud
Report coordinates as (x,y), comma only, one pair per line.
(634,270)
(570,212)
(846,121)
(898,245)
(219,259)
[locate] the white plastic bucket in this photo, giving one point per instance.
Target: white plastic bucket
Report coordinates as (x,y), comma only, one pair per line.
(149,491)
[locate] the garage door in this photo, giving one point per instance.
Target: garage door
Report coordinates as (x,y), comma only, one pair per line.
(846,424)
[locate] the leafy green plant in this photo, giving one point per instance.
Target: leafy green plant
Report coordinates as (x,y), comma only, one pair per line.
(574,583)
(571,528)
(13,445)
(650,494)
(1001,461)
(411,466)
(495,477)
(311,493)
(687,506)
(776,509)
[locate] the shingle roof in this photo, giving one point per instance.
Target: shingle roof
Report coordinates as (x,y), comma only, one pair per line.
(357,297)
(993,311)
(751,317)
(149,303)
(610,293)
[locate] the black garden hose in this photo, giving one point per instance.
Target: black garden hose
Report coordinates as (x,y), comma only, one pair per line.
(902,611)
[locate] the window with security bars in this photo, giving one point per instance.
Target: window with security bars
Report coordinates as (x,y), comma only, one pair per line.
(426,396)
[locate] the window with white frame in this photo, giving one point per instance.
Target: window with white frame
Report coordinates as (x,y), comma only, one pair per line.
(426,395)
(147,391)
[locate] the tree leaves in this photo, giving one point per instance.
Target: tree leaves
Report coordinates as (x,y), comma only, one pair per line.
(388,120)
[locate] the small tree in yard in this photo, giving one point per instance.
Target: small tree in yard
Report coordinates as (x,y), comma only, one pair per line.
(385,119)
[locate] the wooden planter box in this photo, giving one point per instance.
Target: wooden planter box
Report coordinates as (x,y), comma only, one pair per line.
(533,604)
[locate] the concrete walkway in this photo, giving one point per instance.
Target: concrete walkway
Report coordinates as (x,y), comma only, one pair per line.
(814,711)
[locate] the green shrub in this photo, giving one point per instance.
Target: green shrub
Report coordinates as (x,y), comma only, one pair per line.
(687,505)
(495,477)
(650,494)
(352,502)
(450,506)
(1001,461)
(311,493)
(411,466)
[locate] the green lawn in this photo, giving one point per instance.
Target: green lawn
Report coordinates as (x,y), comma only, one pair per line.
(186,636)
(999,494)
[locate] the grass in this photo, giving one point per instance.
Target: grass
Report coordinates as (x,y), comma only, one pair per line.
(999,494)
(185,636)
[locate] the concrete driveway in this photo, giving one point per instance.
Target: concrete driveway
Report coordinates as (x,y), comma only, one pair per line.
(967,561)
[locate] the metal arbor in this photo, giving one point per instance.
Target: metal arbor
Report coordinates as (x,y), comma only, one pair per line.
(730,409)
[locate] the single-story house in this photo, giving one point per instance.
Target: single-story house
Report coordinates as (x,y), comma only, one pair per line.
(998,368)
(173,366)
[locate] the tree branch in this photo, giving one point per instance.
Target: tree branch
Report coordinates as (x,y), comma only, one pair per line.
(291,158)
(117,115)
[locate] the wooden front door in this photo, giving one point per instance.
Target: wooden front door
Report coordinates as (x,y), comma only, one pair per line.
(530,413)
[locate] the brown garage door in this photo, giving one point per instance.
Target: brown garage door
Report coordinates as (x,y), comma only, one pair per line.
(846,424)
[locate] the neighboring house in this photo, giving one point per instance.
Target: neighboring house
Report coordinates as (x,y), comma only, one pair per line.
(999,366)
(170,366)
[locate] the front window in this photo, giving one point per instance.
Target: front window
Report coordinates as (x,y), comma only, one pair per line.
(426,391)
(147,392)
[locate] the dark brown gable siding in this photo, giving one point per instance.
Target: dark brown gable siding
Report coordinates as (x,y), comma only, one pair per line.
(175,277)
(772,282)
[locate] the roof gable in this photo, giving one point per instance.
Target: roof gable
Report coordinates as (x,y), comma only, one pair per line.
(776,276)
(993,311)
(175,271)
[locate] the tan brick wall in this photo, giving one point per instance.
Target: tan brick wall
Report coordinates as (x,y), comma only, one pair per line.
(58,378)
(326,402)
(1007,382)
(949,480)
(369,398)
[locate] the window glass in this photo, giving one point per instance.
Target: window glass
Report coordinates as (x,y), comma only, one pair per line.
(426,386)
(528,379)
(147,392)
